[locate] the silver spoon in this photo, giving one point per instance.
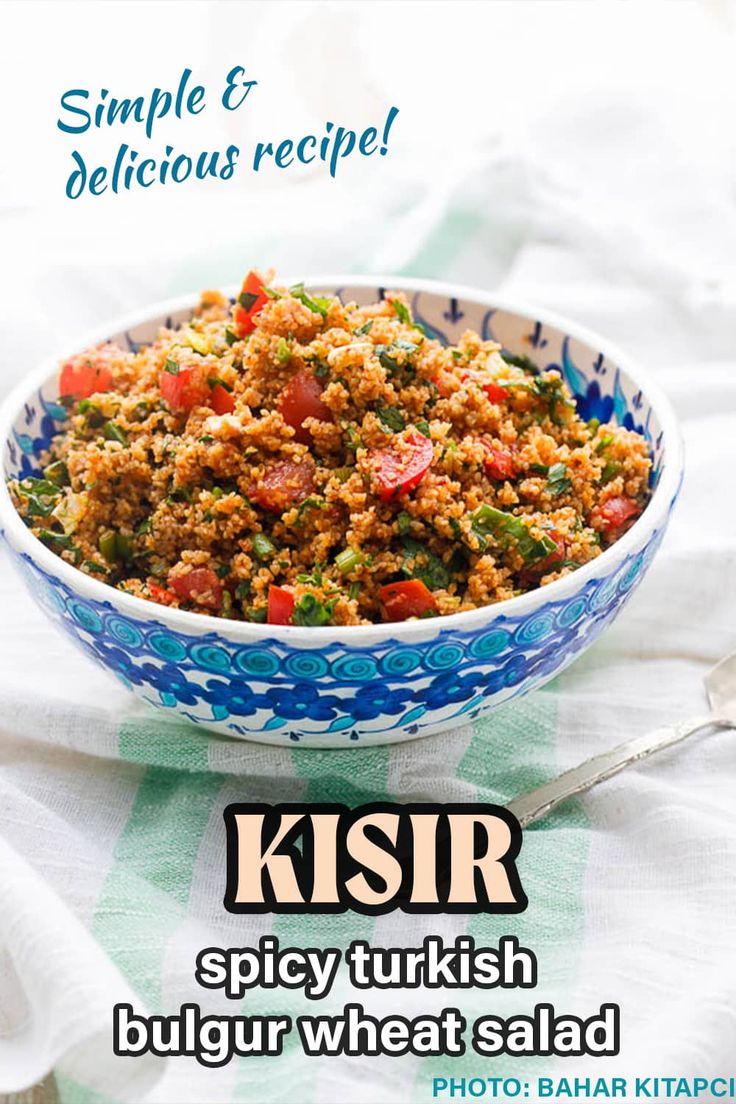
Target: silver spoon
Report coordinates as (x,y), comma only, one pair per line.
(720,685)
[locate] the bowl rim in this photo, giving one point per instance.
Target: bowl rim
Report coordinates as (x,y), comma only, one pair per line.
(190,623)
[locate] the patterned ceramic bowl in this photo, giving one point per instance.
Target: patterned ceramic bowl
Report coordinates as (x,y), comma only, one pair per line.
(333,687)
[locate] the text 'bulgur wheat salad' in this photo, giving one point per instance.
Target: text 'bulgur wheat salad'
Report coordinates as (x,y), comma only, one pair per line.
(297,460)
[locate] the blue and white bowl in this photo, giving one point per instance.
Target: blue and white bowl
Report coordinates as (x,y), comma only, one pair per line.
(342,687)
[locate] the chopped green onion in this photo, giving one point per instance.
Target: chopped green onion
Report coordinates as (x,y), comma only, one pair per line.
(347,560)
(213,381)
(423,426)
(271,293)
(257,613)
(403,521)
(263,547)
(207,439)
(93,415)
(354,590)
(230,336)
(198,342)
(594,424)
(604,442)
(364,329)
(343,474)
(115,547)
(144,527)
(242,590)
(57,473)
(113,432)
(283,351)
(402,311)
(610,471)
(171,367)
(490,522)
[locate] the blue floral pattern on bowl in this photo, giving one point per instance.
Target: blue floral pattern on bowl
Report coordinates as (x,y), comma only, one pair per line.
(323,688)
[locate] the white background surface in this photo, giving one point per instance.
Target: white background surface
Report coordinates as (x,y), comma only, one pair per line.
(579,155)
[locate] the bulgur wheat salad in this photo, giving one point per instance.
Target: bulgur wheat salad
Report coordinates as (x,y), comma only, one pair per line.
(293,459)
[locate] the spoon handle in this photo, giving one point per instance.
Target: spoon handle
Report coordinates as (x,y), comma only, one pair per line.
(530,807)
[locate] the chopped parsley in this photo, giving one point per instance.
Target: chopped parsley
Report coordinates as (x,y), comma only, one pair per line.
(248,299)
(310,611)
(310,503)
(387,355)
(114,432)
(420,563)
(403,521)
(557,480)
(41,494)
(317,305)
(171,367)
(391,418)
(524,362)
(258,614)
(59,540)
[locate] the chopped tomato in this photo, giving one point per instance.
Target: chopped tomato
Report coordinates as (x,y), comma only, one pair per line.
(409,598)
(302,399)
(221,400)
(184,389)
(399,468)
(499,462)
(284,484)
(161,594)
(87,373)
(495,393)
(252,299)
(535,571)
(280,605)
(617,515)
(200,585)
